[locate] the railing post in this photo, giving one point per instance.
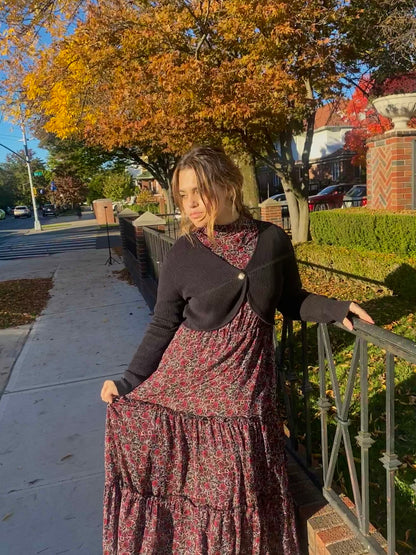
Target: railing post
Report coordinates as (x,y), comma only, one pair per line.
(390,460)
(282,376)
(323,402)
(306,391)
(364,440)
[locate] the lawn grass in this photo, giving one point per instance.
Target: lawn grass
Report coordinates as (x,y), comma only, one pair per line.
(398,316)
(53,226)
(22,300)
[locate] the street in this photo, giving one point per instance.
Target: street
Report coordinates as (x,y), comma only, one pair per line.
(19,239)
(11,227)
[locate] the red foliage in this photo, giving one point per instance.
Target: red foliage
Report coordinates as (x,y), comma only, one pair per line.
(367,122)
(399,84)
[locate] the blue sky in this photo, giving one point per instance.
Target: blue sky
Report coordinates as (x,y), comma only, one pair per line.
(11,136)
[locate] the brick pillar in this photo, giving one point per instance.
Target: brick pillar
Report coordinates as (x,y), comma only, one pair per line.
(271,211)
(103,210)
(391,170)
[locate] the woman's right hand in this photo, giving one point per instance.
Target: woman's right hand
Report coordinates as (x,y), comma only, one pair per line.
(109,392)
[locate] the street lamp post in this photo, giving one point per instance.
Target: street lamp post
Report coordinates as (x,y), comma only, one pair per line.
(38,227)
(26,159)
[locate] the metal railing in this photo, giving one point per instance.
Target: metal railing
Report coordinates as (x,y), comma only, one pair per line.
(393,346)
(157,246)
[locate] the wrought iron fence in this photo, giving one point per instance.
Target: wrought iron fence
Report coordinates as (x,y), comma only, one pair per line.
(393,347)
(157,245)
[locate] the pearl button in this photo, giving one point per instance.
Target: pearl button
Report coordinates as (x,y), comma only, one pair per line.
(241,275)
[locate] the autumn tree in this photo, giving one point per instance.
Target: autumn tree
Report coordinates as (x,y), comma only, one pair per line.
(155,78)
(70,190)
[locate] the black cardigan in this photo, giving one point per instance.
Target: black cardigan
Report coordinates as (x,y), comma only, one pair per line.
(202,291)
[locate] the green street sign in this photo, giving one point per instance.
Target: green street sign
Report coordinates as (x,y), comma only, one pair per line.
(38,173)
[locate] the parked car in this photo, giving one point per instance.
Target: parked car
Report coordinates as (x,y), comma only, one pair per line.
(22,211)
(356,196)
(9,211)
(49,210)
(279,197)
(330,197)
(2,214)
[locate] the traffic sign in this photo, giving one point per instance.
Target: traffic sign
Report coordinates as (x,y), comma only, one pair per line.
(38,173)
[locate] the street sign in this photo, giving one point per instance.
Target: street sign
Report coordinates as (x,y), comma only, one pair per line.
(38,173)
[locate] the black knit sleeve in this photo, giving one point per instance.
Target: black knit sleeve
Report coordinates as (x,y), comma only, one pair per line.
(298,304)
(168,315)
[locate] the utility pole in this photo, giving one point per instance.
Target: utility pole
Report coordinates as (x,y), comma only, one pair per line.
(38,227)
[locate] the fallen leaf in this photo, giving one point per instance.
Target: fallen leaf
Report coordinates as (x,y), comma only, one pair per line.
(67,457)
(6,517)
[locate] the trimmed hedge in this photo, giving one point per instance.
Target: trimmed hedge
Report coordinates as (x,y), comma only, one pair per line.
(395,272)
(371,230)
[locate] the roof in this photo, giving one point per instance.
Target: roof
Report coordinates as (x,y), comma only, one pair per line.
(330,115)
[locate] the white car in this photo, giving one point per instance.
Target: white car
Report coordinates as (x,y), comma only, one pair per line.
(22,211)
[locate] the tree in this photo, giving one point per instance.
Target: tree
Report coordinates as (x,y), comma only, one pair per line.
(70,190)
(73,157)
(154,78)
(117,185)
(381,36)
(14,179)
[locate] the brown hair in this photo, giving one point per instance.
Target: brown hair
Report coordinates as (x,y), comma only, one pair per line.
(214,170)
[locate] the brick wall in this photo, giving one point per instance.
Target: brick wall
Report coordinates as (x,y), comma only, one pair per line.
(391,167)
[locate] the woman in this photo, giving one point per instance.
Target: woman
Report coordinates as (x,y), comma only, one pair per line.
(195,459)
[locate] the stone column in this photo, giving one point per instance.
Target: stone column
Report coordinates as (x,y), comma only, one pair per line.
(391,170)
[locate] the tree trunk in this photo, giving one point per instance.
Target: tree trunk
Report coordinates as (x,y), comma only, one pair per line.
(298,210)
(245,162)
(167,193)
(302,232)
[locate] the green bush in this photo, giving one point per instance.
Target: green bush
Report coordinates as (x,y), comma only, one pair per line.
(141,208)
(372,230)
(397,273)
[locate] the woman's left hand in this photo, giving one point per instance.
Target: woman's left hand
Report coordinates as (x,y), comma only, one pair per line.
(356,310)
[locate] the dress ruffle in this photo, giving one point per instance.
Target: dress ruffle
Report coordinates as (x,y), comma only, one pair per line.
(224,493)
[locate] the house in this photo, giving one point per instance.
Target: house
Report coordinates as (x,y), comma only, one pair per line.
(329,161)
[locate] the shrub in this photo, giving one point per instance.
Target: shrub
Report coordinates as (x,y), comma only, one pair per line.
(141,208)
(363,229)
(389,270)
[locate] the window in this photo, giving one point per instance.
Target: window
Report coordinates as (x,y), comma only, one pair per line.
(335,170)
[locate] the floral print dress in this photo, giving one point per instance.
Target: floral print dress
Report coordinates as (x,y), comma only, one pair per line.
(194,456)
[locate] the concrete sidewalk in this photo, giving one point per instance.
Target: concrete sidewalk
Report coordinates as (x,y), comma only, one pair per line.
(51,416)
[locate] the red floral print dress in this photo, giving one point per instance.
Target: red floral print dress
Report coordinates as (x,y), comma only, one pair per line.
(194,456)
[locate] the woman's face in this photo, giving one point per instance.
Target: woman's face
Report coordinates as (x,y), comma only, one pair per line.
(193,205)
